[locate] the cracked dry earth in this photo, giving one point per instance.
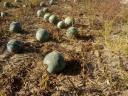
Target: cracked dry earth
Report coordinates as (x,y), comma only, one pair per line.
(89,71)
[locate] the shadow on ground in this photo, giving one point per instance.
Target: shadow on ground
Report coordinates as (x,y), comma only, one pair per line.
(73,67)
(86,37)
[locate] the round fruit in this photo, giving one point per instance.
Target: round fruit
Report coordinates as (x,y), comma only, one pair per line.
(61,24)
(15,27)
(53,19)
(7,4)
(69,21)
(45,10)
(55,62)
(46,16)
(42,4)
(42,35)
(72,32)
(40,13)
(17,1)
(14,46)
(51,2)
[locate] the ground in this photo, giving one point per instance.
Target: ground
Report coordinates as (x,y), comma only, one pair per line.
(96,61)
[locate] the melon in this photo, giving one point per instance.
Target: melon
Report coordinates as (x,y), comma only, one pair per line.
(14,46)
(53,19)
(69,21)
(54,61)
(42,35)
(40,13)
(15,27)
(61,25)
(72,32)
(7,4)
(46,16)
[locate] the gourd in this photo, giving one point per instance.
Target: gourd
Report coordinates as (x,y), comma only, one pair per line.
(61,25)
(53,19)
(69,21)
(46,16)
(40,13)
(15,27)
(45,10)
(7,4)
(51,2)
(72,32)
(42,35)
(54,61)
(14,46)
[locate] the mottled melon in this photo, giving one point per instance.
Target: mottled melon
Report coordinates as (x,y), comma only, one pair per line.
(61,25)
(40,13)
(55,62)
(42,35)
(72,32)
(46,16)
(14,46)
(7,4)
(15,27)
(69,21)
(51,2)
(53,19)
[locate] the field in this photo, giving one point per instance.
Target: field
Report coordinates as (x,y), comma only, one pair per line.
(96,61)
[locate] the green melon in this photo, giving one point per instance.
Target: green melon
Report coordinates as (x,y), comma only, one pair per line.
(42,35)
(15,27)
(14,46)
(72,32)
(69,21)
(42,4)
(61,25)
(7,4)
(3,14)
(54,61)
(46,16)
(40,13)
(53,19)
(45,10)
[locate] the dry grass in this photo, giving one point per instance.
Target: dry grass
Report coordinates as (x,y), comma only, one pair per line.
(91,70)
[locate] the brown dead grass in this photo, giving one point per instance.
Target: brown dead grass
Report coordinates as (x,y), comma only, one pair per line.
(96,65)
